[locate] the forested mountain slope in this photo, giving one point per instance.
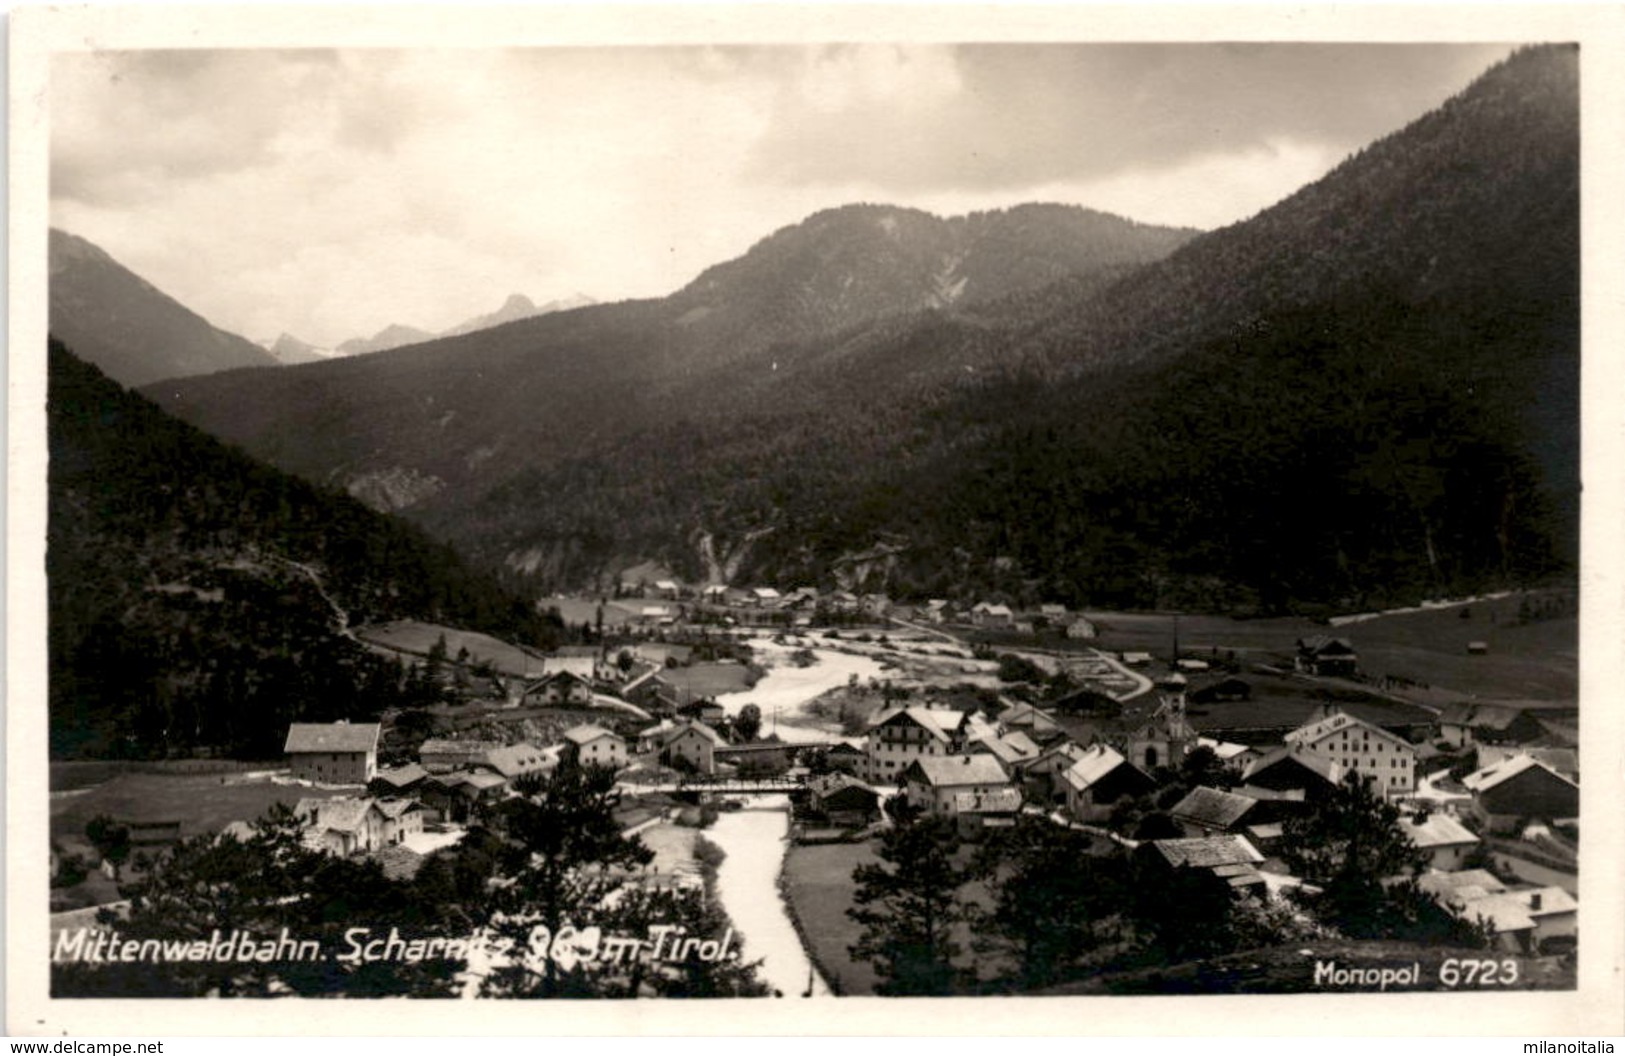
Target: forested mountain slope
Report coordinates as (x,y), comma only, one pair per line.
(199,599)
(1368,390)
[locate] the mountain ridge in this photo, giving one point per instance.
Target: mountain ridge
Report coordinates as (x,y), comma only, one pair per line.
(1121,434)
(128,326)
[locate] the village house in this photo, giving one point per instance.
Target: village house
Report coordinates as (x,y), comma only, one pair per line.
(1446,841)
(334,753)
(1384,761)
(1233,755)
(1503,723)
(518,760)
(899,736)
(687,745)
(1032,721)
(1081,628)
(843,801)
(987,614)
(1520,919)
(561,688)
(1291,772)
(440,755)
(460,794)
(1565,761)
(936,611)
(933,783)
(342,827)
(1231,858)
(704,710)
(846,757)
(1100,778)
(975,813)
(1518,790)
(764,598)
(1013,749)
(402,818)
(591,745)
(1327,657)
(1042,777)
(1226,689)
(1211,812)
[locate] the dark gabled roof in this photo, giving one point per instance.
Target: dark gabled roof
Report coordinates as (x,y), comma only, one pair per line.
(331,737)
(1212,807)
(1326,645)
(401,776)
(1313,761)
(1208,851)
(455,747)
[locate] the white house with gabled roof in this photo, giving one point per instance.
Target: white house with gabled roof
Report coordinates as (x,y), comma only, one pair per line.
(898,736)
(1383,760)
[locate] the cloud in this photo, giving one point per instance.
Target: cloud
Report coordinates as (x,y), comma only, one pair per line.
(330,194)
(1016,116)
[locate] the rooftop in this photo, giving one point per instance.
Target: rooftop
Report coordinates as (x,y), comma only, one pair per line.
(946,772)
(1212,807)
(331,737)
(1209,851)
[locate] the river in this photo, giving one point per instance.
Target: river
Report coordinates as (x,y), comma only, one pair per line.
(786,689)
(747,885)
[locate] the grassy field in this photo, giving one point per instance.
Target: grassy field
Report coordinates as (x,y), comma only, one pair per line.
(1286,703)
(818,883)
(708,680)
(1535,661)
(411,636)
(201,803)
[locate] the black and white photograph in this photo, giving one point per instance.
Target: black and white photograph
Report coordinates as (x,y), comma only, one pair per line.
(626,505)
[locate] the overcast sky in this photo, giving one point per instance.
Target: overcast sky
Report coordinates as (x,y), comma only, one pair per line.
(331,193)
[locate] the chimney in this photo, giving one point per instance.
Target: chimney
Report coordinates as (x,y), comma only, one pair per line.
(1422,817)
(1534,900)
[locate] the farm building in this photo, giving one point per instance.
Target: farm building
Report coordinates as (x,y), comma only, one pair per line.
(337,753)
(1211,811)
(519,760)
(1520,789)
(1327,657)
(566,687)
(1231,858)
(1291,772)
(843,800)
(439,755)
(1099,778)
(398,781)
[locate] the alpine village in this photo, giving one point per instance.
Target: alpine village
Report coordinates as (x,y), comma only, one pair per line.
(1076,606)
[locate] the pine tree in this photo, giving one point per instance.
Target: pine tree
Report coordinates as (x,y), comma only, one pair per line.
(908,907)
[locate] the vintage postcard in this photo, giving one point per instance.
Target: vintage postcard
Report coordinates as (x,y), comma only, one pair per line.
(733,520)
